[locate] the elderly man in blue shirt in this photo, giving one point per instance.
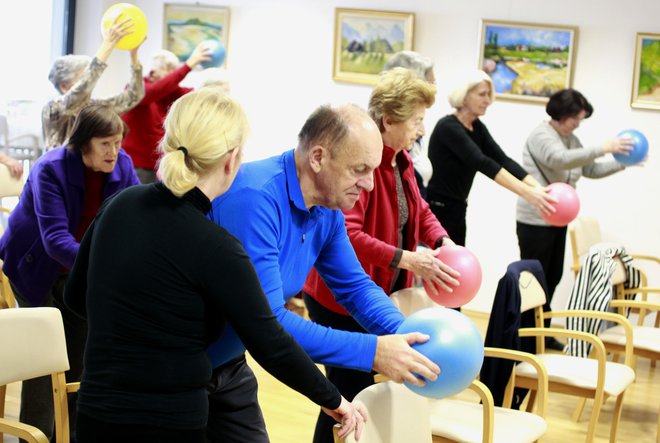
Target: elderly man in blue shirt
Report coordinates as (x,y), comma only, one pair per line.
(286,210)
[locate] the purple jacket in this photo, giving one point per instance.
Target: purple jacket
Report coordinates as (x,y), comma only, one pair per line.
(39,239)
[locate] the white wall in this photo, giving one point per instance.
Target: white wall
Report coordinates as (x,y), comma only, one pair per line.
(280,63)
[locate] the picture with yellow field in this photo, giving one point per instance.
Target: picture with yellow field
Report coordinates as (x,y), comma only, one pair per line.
(527,62)
(365,41)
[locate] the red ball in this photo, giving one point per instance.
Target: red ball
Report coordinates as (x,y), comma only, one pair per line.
(466,263)
(567,206)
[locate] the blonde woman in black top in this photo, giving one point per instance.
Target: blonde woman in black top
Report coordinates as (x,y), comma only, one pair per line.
(158,281)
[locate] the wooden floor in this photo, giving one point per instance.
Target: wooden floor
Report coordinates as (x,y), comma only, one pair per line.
(290,417)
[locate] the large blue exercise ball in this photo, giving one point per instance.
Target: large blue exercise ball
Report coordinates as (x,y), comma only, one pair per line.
(455,345)
(640,147)
(218,53)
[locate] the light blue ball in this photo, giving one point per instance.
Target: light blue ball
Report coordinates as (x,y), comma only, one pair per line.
(218,54)
(455,345)
(640,147)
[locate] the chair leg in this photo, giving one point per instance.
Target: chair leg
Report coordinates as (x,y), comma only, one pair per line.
(593,421)
(3,391)
(577,415)
(616,417)
(657,434)
(531,399)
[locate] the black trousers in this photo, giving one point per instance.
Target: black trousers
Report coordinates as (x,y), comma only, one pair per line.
(546,244)
(234,412)
(451,215)
(348,381)
(37,393)
(90,430)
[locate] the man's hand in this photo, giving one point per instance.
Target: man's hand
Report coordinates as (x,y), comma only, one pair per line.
(396,359)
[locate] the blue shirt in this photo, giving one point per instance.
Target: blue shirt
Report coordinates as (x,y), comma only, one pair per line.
(265,210)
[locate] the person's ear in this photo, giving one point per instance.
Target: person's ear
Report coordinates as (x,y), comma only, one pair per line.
(387,122)
(233,161)
(317,157)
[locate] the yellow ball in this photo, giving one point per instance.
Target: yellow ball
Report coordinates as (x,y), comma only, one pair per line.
(127,10)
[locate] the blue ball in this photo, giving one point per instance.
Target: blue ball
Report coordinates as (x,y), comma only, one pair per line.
(640,147)
(218,53)
(455,345)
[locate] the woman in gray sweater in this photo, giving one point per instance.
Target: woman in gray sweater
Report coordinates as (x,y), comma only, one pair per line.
(552,153)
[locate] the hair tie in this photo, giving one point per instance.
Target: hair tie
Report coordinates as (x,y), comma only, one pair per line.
(184,150)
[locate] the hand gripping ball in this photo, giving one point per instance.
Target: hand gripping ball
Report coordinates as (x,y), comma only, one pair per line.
(455,345)
(218,53)
(567,206)
(466,263)
(640,147)
(127,10)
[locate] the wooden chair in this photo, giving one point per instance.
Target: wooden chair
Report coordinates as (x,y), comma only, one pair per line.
(37,348)
(454,420)
(585,233)
(25,147)
(396,414)
(590,378)
(9,187)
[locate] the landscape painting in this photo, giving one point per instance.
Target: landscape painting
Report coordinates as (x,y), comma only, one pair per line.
(185,26)
(365,40)
(646,80)
(527,62)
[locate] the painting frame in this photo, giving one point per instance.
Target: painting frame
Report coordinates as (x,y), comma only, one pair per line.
(548,68)
(637,99)
(357,66)
(187,25)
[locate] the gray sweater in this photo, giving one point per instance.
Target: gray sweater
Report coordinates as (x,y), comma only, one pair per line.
(560,159)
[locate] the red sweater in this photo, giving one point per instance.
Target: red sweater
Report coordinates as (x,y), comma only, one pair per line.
(372,227)
(145,121)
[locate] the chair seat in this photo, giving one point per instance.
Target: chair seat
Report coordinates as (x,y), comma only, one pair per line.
(466,423)
(644,337)
(581,372)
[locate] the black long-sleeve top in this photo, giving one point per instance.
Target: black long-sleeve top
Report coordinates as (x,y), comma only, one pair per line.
(157,282)
(457,154)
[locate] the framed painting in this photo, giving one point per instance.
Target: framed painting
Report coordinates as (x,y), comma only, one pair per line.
(646,77)
(366,39)
(526,61)
(185,26)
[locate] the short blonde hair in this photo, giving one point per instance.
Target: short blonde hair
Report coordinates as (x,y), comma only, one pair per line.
(470,81)
(398,92)
(201,127)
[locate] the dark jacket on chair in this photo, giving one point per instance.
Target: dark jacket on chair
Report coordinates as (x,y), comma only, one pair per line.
(505,320)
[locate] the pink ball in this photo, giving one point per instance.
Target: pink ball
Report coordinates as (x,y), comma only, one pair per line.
(466,263)
(567,207)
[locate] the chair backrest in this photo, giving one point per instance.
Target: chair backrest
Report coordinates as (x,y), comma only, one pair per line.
(9,186)
(411,300)
(532,294)
(584,233)
(396,414)
(37,346)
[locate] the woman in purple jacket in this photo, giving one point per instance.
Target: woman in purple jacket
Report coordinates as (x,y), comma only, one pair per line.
(62,194)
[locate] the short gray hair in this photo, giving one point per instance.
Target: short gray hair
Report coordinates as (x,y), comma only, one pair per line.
(410,60)
(164,59)
(469,82)
(66,68)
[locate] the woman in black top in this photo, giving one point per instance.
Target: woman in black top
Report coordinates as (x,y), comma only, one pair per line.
(157,280)
(460,145)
